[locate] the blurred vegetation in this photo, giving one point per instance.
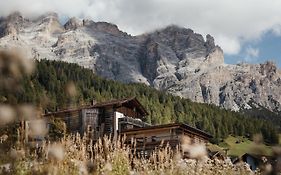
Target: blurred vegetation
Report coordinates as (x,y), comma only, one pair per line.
(47,89)
(72,155)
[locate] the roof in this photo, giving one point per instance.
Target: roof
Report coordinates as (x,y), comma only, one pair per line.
(115,103)
(258,156)
(120,102)
(169,126)
(67,110)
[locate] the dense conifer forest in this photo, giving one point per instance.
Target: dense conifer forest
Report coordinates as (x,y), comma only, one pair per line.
(46,88)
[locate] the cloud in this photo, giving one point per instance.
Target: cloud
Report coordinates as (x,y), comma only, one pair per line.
(232,23)
(252,52)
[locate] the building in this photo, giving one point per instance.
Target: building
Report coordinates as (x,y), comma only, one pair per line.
(151,137)
(101,119)
(125,117)
(257,161)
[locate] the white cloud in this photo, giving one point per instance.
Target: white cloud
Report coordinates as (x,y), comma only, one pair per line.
(277,30)
(252,52)
(231,22)
(230,45)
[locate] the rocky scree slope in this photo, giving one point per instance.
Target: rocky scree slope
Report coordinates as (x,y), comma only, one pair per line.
(173,59)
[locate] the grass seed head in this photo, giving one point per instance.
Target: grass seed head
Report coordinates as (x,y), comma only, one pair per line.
(27,112)
(7,114)
(198,151)
(38,128)
(56,152)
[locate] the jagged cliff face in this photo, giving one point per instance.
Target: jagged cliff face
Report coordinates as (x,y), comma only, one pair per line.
(174,59)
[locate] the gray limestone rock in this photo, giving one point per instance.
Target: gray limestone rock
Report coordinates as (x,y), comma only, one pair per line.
(173,59)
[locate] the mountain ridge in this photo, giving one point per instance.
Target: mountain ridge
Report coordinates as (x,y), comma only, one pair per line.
(174,59)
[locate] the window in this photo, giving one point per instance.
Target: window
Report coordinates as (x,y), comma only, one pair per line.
(89,128)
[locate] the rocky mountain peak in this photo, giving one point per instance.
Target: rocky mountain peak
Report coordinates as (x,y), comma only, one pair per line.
(210,43)
(184,42)
(87,22)
(15,17)
(215,56)
(268,69)
(49,23)
(174,29)
(104,27)
(174,59)
(12,24)
(73,24)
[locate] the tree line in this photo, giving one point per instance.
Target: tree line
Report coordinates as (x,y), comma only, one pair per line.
(47,89)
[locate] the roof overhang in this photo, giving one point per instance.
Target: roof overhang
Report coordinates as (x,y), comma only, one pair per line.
(184,127)
(115,103)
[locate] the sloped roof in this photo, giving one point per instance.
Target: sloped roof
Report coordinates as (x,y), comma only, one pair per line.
(169,126)
(258,156)
(120,102)
(132,100)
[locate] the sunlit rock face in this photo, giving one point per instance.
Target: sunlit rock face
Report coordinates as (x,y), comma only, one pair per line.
(173,59)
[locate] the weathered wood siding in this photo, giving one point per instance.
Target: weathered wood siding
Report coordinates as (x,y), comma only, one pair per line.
(90,123)
(107,115)
(149,140)
(72,120)
(129,112)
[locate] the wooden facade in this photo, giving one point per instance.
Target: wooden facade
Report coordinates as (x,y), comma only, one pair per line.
(106,118)
(125,117)
(150,138)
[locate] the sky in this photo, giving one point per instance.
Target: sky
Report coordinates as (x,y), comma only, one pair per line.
(267,48)
(247,30)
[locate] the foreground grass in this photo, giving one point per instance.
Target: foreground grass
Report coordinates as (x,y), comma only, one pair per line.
(75,155)
(237,146)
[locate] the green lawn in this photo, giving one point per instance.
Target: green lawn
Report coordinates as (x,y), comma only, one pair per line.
(240,145)
(214,147)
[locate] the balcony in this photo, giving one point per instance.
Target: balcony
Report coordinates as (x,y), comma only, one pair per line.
(131,121)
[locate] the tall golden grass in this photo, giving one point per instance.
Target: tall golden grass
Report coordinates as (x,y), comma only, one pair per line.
(75,155)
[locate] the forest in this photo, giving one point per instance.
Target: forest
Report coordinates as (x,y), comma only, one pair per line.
(58,85)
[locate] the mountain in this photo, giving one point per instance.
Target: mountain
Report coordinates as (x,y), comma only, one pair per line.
(173,59)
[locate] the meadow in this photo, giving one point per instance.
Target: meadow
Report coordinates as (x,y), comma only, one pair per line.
(75,155)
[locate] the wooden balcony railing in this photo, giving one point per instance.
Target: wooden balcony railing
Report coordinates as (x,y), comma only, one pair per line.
(132,121)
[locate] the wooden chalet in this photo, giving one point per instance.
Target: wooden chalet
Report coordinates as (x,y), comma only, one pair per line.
(103,118)
(151,137)
(125,117)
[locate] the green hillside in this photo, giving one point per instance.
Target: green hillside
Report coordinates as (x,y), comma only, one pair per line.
(237,146)
(48,88)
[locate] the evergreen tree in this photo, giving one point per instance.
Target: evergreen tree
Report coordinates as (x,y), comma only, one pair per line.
(46,89)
